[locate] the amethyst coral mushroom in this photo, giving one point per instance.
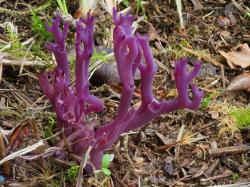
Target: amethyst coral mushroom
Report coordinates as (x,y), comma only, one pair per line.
(72,104)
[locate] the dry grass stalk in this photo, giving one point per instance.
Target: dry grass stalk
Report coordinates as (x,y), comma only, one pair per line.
(20,96)
(22,152)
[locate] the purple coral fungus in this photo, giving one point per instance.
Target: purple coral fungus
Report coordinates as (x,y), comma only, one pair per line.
(72,104)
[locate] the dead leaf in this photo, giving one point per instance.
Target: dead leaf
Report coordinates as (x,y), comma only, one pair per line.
(239,57)
(225,33)
(165,140)
(240,82)
(16,138)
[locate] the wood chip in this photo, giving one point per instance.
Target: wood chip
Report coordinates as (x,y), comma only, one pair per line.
(200,171)
(211,168)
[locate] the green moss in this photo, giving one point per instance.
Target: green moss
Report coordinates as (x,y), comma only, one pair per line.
(72,173)
(99,56)
(16,49)
(125,2)
(241,116)
(206,101)
(10,113)
(235,176)
(176,49)
(38,26)
(51,126)
(54,183)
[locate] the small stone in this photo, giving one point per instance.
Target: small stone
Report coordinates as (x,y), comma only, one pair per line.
(138,160)
(169,168)
(2,179)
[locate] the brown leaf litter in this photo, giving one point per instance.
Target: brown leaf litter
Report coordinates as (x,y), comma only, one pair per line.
(240,56)
(240,82)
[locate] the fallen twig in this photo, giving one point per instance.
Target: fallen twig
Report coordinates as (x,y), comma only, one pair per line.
(211,168)
(229,150)
(244,184)
(226,174)
(23,63)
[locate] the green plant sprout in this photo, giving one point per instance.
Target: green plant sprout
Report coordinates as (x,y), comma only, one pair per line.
(241,116)
(14,39)
(106,160)
(16,48)
(102,177)
(235,176)
(206,101)
(62,6)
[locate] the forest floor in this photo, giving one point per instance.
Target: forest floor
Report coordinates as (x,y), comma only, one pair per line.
(206,147)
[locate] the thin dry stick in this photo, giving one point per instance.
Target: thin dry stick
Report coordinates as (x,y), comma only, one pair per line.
(1,71)
(118,180)
(226,174)
(223,77)
(84,162)
(23,98)
(35,63)
(1,66)
(23,60)
(244,184)
(229,150)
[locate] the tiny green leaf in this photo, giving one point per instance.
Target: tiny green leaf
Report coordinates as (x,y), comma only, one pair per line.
(106,159)
(106,171)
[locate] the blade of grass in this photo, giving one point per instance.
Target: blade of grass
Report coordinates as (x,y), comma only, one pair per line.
(179,10)
(65,6)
